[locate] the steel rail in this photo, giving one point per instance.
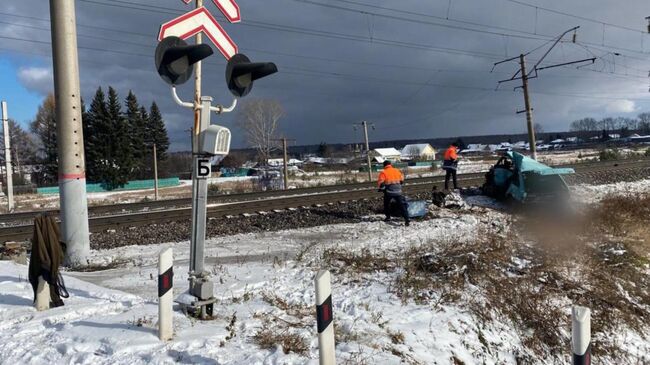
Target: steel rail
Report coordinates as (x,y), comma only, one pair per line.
(224,208)
(182,202)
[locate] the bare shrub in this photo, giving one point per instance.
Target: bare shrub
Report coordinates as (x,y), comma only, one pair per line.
(268,338)
(295,310)
(364,261)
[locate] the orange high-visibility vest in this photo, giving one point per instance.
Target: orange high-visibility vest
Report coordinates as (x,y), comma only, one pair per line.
(389,176)
(451,154)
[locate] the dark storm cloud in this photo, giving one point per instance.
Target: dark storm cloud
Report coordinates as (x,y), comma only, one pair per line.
(417,91)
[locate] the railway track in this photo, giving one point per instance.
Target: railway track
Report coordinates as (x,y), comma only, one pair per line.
(122,208)
(237,204)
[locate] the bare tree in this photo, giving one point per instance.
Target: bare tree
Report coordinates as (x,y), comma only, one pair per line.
(259,119)
(607,124)
(644,123)
(23,147)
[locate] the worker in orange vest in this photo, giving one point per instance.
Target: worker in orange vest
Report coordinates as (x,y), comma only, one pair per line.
(390,183)
(450,164)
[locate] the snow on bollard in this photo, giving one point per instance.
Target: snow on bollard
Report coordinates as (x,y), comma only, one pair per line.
(165,295)
(581,335)
(324,318)
(42,301)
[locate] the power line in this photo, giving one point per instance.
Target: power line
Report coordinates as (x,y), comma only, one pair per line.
(373,79)
(531,35)
(263,51)
(307,31)
(575,16)
(410,19)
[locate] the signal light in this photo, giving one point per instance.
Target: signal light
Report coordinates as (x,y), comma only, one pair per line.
(175,59)
(241,72)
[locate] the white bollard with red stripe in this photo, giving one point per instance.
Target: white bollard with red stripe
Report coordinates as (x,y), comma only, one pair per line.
(325,319)
(42,301)
(581,335)
(165,295)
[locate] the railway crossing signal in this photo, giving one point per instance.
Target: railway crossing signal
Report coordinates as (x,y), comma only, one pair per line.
(175,59)
(175,63)
(241,72)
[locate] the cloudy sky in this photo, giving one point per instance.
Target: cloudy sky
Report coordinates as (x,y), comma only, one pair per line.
(415,69)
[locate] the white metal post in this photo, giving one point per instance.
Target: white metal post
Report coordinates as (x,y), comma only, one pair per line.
(7,139)
(365,131)
(285,160)
(72,169)
(165,295)
(324,319)
(155,172)
(581,335)
(42,301)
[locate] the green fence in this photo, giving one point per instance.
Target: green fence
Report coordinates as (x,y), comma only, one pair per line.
(377,168)
(131,185)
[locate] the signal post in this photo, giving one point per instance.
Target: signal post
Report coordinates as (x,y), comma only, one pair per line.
(176,61)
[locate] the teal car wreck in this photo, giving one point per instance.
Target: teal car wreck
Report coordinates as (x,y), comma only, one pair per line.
(520,178)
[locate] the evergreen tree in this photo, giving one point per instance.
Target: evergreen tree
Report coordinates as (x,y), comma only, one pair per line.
(136,127)
(117,172)
(44,128)
(156,132)
(147,172)
(96,137)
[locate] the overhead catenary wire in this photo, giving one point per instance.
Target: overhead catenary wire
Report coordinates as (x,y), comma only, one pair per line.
(142,55)
(286,54)
(281,27)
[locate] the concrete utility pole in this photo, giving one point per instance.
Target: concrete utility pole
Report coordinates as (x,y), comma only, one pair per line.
(365,132)
(155,173)
(286,160)
(7,138)
(286,165)
(529,110)
(72,170)
(526,76)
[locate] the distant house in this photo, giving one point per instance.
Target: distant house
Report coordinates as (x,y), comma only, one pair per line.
(280,162)
(421,151)
(382,154)
(520,145)
(635,138)
(504,147)
(475,149)
(329,160)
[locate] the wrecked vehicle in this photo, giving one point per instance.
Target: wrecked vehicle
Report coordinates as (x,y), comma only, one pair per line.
(520,178)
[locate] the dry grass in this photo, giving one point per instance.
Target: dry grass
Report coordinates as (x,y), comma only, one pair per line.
(269,338)
(365,261)
(117,263)
(295,310)
(530,277)
(282,331)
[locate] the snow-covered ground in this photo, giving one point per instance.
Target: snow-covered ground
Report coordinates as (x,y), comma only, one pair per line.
(265,280)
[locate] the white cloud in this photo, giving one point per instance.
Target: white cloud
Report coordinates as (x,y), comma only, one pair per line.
(621,106)
(37,79)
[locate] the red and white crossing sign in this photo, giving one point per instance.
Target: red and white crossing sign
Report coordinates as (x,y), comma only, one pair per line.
(229,8)
(199,20)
